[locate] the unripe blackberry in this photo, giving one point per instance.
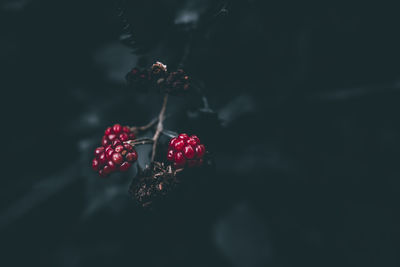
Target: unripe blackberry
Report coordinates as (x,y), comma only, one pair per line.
(114,155)
(153,184)
(177,83)
(185,151)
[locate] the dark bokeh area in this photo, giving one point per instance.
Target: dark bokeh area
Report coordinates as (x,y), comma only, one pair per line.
(305,133)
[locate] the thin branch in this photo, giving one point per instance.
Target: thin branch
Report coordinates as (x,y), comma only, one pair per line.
(140,141)
(143,128)
(160,126)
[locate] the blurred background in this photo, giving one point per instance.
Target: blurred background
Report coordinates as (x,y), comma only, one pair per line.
(304,130)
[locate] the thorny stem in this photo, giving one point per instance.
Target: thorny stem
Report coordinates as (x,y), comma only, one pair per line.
(160,126)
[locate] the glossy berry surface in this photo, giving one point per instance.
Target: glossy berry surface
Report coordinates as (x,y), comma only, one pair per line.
(114,155)
(185,150)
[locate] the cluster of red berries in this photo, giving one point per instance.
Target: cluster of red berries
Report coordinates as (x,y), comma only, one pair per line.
(174,83)
(185,151)
(114,154)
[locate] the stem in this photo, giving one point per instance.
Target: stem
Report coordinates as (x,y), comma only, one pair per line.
(160,126)
(140,141)
(143,128)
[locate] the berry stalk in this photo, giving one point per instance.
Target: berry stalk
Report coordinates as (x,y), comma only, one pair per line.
(140,141)
(138,129)
(160,126)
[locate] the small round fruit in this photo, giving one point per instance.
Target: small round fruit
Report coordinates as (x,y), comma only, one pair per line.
(109,153)
(191,141)
(183,136)
(119,148)
(200,150)
(117,158)
(112,165)
(117,128)
(179,145)
(124,166)
(108,131)
(189,152)
(95,164)
(170,155)
(123,137)
(172,142)
(98,151)
(179,159)
(102,159)
(131,156)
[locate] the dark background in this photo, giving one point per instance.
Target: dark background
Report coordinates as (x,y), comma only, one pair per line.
(306,145)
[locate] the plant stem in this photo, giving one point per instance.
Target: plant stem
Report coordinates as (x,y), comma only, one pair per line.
(160,126)
(140,141)
(143,128)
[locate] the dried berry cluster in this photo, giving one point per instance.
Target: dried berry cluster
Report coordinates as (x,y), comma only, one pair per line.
(186,151)
(153,183)
(114,154)
(158,77)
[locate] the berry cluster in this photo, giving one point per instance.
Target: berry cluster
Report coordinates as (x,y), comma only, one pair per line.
(184,150)
(114,155)
(174,83)
(153,183)
(177,83)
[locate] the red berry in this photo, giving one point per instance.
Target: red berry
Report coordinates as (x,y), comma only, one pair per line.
(195,138)
(95,164)
(102,159)
(172,142)
(189,152)
(131,156)
(128,147)
(179,159)
(119,149)
(126,129)
(116,143)
(124,166)
(104,141)
(170,155)
(107,131)
(191,141)
(106,169)
(111,137)
(132,136)
(112,165)
(183,136)
(179,145)
(117,128)
(123,137)
(200,150)
(109,153)
(98,151)
(117,158)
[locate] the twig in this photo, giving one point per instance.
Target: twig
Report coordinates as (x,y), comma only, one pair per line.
(140,141)
(143,128)
(160,126)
